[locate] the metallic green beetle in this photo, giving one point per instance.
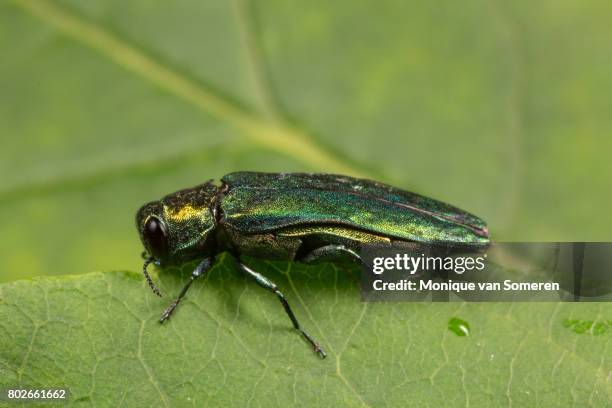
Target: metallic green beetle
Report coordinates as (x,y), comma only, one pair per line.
(292,216)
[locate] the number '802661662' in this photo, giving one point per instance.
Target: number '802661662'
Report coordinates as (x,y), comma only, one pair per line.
(34,394)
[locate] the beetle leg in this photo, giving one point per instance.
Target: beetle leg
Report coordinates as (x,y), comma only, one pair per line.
(271,286)
(200,270)
(328,253)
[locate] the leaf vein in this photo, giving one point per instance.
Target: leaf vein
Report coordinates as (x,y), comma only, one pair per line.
(279,137)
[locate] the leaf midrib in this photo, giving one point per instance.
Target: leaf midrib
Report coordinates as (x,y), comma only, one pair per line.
(271,132)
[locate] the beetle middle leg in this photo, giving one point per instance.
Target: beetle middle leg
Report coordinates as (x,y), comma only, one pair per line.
(271,286)
(200,270)
(330,252)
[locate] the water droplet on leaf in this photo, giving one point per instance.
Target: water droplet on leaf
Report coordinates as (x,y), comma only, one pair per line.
(459,326)
(587,326)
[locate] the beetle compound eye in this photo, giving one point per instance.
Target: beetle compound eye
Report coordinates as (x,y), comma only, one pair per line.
(155,235)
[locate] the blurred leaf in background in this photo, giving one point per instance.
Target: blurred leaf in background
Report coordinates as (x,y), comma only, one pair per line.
(502,109)
(496,107)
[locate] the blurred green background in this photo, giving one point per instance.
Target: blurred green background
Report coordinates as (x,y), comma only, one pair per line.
(499,108)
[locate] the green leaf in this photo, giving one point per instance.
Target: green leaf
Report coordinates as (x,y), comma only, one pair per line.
(498,108)
(230,344)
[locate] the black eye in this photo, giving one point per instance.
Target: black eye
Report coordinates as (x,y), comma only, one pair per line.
(155,235)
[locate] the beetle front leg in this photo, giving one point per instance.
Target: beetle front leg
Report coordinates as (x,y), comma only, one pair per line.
(271,286)
(200,270)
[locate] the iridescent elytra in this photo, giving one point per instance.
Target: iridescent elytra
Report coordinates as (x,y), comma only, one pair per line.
(304,217)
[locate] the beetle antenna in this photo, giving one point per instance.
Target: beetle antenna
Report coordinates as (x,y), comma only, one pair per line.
(149,280)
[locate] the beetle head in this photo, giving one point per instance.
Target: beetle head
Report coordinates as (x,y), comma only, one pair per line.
(179,227)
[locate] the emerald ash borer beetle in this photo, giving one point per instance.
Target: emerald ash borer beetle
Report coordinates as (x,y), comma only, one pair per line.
(295,217)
